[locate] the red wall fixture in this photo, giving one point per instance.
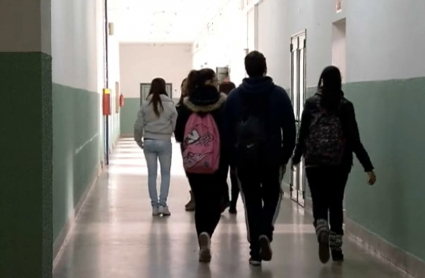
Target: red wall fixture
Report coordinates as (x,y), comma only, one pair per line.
(106,102)
(121,100)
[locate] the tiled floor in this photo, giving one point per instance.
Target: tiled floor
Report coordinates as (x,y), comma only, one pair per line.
(116,236)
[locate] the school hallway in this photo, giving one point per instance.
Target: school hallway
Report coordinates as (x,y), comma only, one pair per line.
(116,236)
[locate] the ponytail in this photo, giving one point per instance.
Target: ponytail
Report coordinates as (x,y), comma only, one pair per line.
(192,81)
(197,78)
(158,88)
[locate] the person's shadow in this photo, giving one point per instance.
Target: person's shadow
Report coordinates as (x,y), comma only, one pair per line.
(203,271)
(332,271)
(258,272)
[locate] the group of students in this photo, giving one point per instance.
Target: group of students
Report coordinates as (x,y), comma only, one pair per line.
(252,132)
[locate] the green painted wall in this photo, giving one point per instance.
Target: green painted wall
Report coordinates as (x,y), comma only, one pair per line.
(390,116)
(26,165)
(128,115)
(76,150)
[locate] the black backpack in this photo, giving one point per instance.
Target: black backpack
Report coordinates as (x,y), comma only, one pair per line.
(251,131)
(326,142)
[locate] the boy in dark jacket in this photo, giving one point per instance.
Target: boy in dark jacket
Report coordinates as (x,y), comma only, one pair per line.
(260,189)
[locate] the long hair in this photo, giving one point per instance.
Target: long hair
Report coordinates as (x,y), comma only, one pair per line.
(158,88)
(183,92)
(197,78)
(330,86)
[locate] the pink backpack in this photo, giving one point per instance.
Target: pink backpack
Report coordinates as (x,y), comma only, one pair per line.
(201,145)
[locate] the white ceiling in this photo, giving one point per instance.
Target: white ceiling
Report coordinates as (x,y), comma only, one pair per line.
(163,21)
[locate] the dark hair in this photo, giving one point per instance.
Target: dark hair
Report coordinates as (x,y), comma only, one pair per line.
(158,88)
(330,86)
(183,92)
(197,78)
(255,64)
(227,87)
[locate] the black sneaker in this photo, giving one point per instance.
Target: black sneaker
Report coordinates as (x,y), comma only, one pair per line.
(232,210)
(266,252)
(337,256)
(224,205)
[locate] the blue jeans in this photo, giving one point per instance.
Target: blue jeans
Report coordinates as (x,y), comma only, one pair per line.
(162,150)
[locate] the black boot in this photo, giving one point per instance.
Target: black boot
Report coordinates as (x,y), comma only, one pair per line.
(336,247)
(191,205)
(322,231)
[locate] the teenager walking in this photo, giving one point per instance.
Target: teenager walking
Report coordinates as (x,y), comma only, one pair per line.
(260,130)
(226,87)
(328,137)
(199,129)
(155,124)
(190,206)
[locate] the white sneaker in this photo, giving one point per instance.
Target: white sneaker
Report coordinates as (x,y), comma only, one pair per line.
(205,248)
(164,211)
(155,211)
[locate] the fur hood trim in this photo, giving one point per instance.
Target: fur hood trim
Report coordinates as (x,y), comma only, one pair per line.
(205,108)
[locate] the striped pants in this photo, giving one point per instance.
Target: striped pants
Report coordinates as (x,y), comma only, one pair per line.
(261,194)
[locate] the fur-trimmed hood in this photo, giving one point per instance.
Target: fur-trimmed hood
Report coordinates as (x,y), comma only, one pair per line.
(205,100)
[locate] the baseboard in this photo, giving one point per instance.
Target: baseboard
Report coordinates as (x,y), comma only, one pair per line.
(384,249)
(63,235)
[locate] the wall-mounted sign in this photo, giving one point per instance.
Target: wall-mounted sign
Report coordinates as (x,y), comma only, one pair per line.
(338,6)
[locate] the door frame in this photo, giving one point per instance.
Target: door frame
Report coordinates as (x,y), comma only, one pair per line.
(298,182)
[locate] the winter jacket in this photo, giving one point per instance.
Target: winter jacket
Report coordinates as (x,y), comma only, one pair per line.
(281,127)
(205,99)
(350,131)
(150,126)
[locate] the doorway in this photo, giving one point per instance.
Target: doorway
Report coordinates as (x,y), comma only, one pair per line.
(222,73)
(339,47)
(298,95)
(145,87)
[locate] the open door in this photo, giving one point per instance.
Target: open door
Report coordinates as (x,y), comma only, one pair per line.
(298,96)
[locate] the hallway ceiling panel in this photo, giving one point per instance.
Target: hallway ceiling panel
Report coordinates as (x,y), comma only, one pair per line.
(167,21)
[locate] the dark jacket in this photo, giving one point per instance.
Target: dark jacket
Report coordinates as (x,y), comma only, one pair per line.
(350,130)
(281,122)
(204,100)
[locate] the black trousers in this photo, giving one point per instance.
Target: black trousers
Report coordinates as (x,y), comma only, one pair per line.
(262,195)
(327,186)
(208,195)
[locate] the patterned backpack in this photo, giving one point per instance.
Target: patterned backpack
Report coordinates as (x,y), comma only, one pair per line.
(201,145)
(325,144)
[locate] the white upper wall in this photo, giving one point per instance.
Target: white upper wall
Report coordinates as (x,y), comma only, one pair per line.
(384,40)
(75,27)
(223,44)
(140,63)
(272,42)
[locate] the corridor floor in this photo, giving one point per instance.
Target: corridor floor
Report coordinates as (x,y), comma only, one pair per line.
(116,236)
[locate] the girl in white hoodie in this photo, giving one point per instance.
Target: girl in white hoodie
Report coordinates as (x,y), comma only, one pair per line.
(155,124)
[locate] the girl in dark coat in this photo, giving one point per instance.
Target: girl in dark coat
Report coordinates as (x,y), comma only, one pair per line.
(328,137)
(204,98)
